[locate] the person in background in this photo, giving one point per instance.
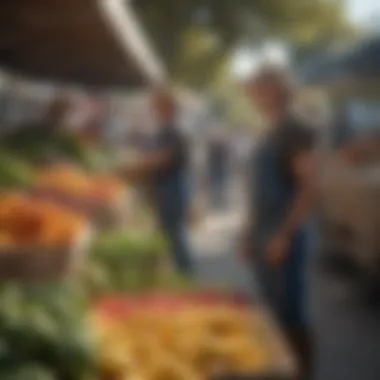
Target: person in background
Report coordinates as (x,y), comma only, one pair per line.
(165,164)
(218,160)
(276,237)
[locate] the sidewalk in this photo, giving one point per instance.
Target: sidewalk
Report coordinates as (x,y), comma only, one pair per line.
(217,261)
(216,247)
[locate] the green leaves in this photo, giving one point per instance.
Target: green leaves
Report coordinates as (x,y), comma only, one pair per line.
(14,172)
(124,261)
(171,22)
(129,244)
(44,330)
(27,372)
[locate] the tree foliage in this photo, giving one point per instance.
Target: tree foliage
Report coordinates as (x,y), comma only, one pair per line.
(194,36)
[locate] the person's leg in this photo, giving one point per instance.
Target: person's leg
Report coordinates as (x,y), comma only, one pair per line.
(269,285)
(173,214)
(177,235)
(215,189)
(295,315)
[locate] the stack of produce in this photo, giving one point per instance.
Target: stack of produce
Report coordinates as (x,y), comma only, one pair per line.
(14,172)
(179,337)
(76,182)
(25,221)
(102,198)
(44,334)
(124,261)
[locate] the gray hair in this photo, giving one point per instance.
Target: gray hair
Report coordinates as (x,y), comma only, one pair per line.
(276,76)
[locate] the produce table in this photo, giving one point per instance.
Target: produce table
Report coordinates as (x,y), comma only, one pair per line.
(279,363)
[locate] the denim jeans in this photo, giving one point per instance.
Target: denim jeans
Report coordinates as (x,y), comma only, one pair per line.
(218,188)
(286,288)
(172,203)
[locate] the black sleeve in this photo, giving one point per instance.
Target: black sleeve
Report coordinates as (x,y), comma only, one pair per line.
(176,143)
(295,138)
(251,186)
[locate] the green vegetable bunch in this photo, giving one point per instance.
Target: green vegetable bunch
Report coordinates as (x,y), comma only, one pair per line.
(44,334)
(14,172)
(124,262)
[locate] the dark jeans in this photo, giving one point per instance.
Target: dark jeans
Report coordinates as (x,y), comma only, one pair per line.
(172,205)
(218,187)
(284,288)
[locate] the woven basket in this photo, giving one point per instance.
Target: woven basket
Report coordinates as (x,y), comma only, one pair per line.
(38,263)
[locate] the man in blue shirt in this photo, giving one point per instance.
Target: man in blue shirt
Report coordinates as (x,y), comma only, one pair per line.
(281,195)
(165,163)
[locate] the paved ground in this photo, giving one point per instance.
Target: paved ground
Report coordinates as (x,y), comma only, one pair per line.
(348,332)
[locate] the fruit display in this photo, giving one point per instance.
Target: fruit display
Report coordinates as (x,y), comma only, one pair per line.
(123,261)
(179,337)
(25,221)
(44,333)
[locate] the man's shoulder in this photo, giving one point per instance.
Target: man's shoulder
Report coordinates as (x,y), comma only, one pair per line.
(297,131)
(297,126)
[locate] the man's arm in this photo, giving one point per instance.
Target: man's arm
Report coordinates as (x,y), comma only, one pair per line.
(305,176)
(149,163)
(158,159)
(249,222)
(304,171)
(297,149)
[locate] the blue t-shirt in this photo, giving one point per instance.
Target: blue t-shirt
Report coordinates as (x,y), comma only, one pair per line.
(273,185)
(170,184)
(171,139)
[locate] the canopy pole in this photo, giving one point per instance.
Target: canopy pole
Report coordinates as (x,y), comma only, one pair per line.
(122,20)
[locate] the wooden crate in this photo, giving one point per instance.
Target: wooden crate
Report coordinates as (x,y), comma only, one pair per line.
(41,263)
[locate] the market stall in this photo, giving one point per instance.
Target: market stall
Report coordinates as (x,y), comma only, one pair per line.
(81,283)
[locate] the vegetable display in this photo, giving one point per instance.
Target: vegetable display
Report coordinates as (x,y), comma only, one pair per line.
(156,330)
(38,144)
(44,330)
(26,221)
(124,261)
(14,172)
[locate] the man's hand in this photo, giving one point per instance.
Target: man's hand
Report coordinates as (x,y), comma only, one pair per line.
(132,173)
(277,249)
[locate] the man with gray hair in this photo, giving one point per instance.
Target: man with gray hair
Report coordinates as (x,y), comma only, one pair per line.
(281,191)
